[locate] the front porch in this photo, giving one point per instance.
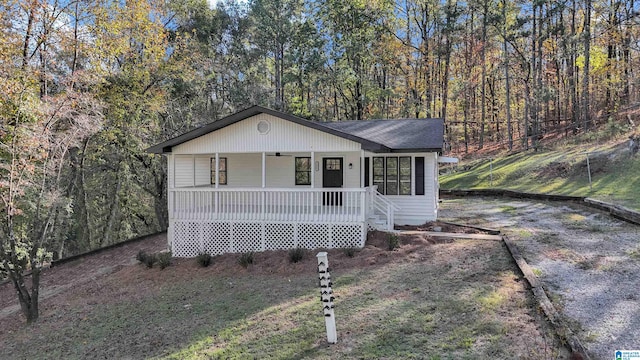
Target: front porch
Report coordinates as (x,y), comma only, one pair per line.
(218,221)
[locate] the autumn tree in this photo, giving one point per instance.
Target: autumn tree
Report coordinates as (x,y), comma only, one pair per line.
(45,112)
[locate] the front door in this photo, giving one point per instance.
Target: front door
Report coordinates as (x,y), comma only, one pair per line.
(332,178)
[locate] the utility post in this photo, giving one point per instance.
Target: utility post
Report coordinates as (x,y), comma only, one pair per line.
(326,297)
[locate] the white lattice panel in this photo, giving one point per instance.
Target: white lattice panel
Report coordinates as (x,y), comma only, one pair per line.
(313,236)
(279,236)
(217,237)
(191,238)
(247,237)
(186,239)
(347,235)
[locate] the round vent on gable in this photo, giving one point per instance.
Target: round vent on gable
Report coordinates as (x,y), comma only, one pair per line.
(263,127)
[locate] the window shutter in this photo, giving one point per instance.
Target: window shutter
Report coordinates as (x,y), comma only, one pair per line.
(419,175)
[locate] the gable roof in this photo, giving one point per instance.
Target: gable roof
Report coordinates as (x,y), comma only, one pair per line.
(374,135)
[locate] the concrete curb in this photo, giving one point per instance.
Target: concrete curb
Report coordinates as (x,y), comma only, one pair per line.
(562,330)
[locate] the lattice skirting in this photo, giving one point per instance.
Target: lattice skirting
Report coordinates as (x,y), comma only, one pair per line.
(189,238)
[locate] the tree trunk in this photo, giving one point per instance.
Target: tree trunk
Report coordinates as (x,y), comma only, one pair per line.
(109,231)
(507,85)
(585,77)
(572,69)
(27,35)
(483,56)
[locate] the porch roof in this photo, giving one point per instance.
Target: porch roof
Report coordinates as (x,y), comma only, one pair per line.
(379,136)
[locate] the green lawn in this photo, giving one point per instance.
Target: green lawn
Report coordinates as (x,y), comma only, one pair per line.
(615,173)
(458,300)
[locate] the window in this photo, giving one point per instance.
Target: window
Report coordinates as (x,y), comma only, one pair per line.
(333,164)
(303,171)
(378,173)
(222,166)
(392,175)
(405,175)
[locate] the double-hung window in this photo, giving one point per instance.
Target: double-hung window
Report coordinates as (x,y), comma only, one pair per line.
(303,171)
(392,175)
(222,167)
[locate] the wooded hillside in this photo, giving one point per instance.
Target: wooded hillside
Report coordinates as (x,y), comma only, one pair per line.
(87,85)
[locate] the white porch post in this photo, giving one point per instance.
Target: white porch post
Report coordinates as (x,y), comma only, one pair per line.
(171,167)
(362,168)
(193,159)
(217,195)
(264,169)
(313,169)
(217,169)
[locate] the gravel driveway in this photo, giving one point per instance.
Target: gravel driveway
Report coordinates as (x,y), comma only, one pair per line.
(588,262)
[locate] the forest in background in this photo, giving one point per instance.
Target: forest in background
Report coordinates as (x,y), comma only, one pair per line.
(87,85)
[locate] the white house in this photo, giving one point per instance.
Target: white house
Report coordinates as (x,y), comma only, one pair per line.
(265,180)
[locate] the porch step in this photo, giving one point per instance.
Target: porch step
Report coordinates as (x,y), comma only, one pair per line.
(378,223)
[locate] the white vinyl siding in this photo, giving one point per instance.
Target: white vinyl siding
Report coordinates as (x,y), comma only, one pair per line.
(283,136)
(243,170)
(170,171)
(203,173)
(280,171)
(415,209)
(183,166)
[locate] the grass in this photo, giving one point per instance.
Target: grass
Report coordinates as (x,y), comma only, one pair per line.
(462,301)
(634,253)
(561,170)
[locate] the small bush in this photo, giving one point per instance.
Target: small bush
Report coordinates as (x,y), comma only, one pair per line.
(141,256)
(246,259)
(204,259)
(163,259)
(295,255)
(393,242)
(350,252)
(149,260)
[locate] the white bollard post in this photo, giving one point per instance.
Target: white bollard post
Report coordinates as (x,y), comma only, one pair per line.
(326,297)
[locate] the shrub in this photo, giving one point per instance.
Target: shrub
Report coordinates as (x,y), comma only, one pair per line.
(149,260)
(246,259)
(164,259)
(393,242)
(141,256)
(350,251)
(295,255)
(204,259)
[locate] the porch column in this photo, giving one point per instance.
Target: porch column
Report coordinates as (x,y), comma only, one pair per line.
(264,169)
(193,159)
(313,169)
(217,169)
(362,168)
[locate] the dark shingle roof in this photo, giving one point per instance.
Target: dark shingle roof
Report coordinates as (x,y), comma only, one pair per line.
(401,135)
(374,135)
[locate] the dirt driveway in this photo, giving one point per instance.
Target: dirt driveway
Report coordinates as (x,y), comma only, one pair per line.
(588,262)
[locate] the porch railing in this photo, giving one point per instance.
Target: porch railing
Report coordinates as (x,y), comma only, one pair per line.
(268,204)
(379,205)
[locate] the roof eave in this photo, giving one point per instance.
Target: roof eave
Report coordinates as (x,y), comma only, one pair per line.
(411,150)
(166,146)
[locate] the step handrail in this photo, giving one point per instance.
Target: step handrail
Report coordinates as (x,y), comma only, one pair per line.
(383,205)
